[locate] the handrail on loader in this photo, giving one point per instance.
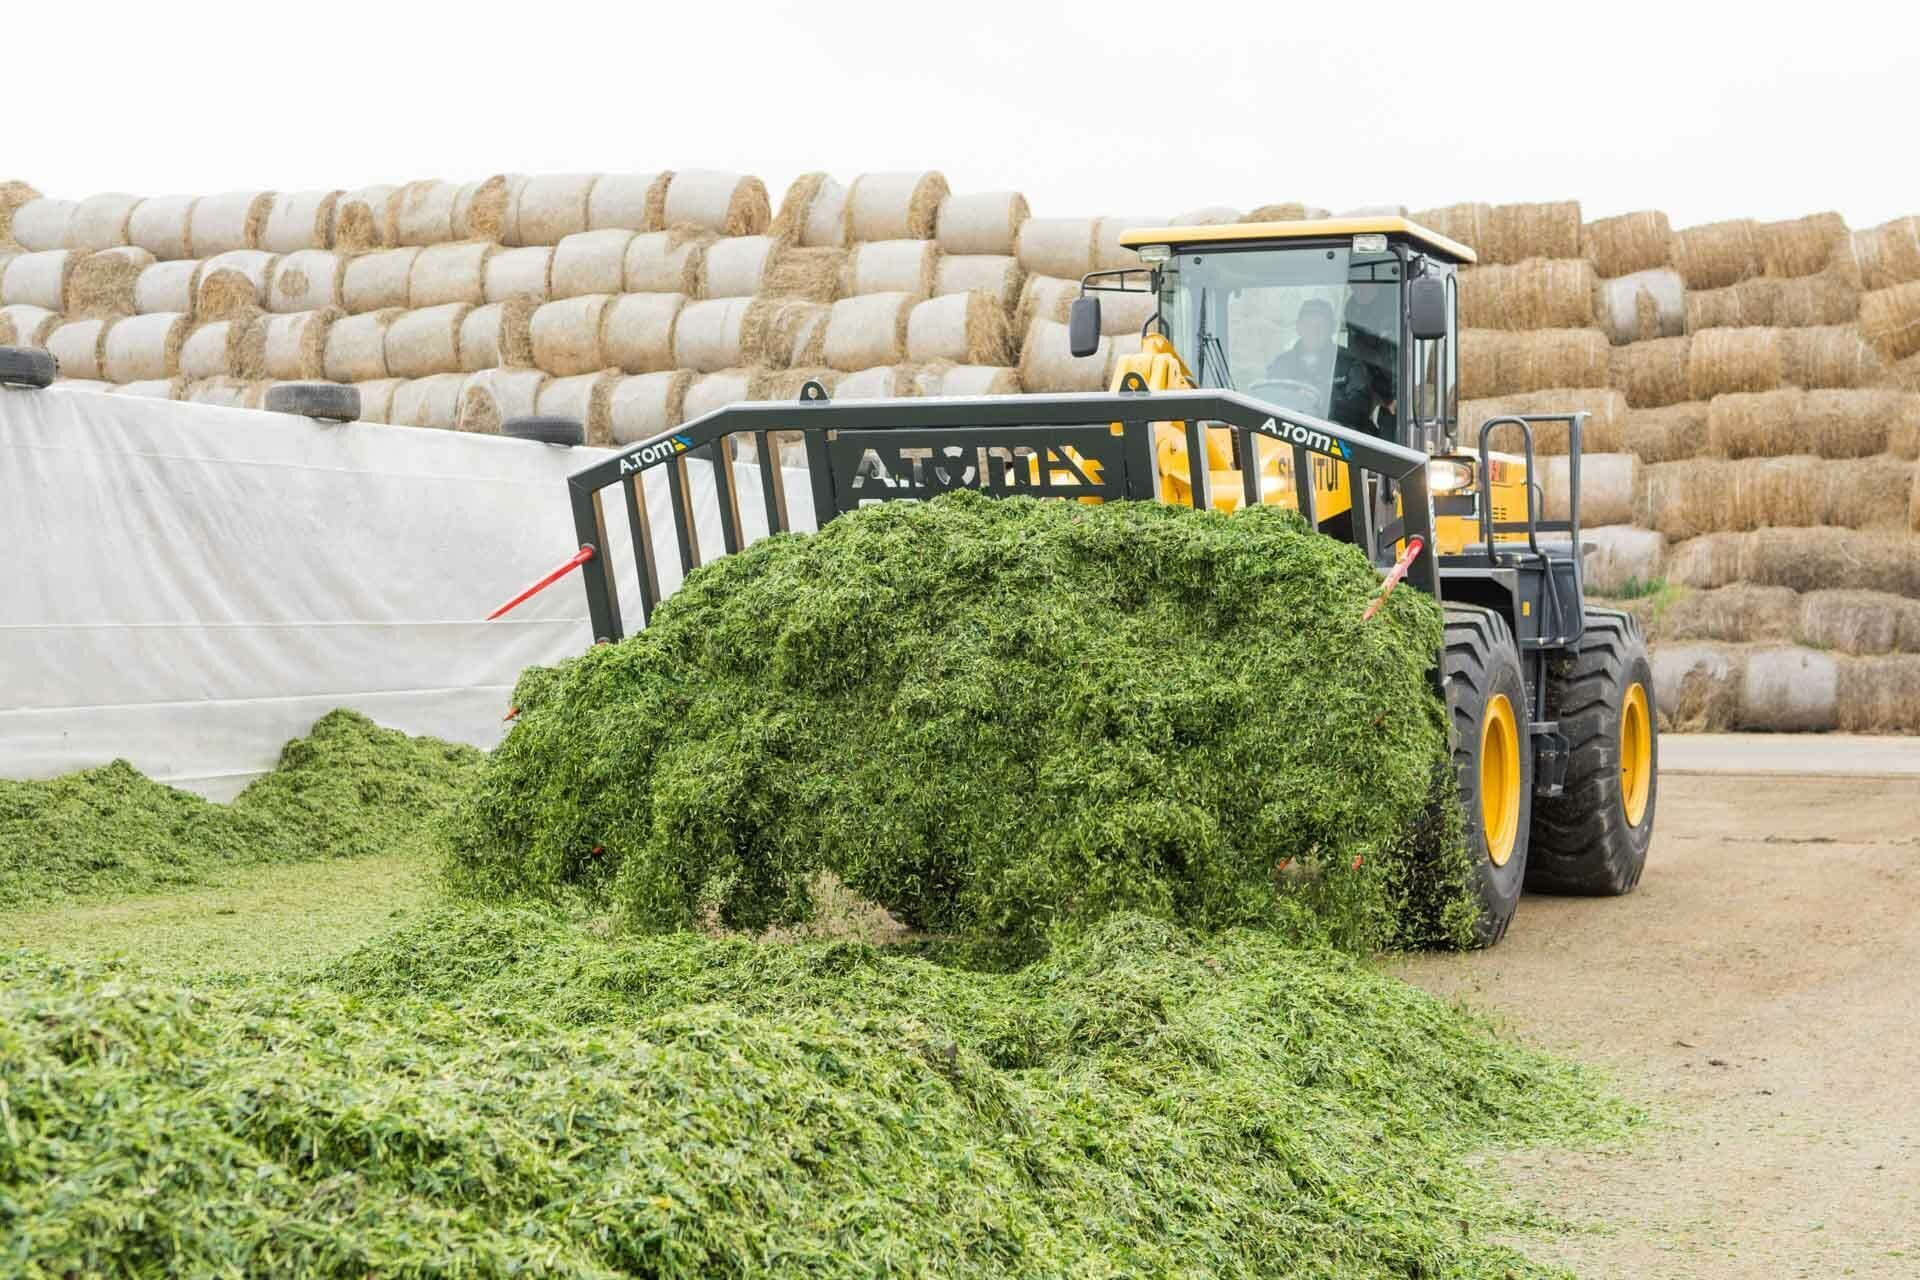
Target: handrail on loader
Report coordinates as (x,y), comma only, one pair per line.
(1071,446)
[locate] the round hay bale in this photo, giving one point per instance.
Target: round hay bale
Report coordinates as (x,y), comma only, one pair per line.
(307,280)
(1913,503)
(892,266)
(1879,695)
(224,349)
(776,333)
(428,402)
(1062,248)
(1799,246)
(1540,293)
(1516,232)
(1697,687)
(357,346)
(1832,423)
(295,346)
(640,408)
(79,348)
(1606,409)
(1756,424)
(481,209)
(1641,307)
(162,225)
(39,279)
(1221,215)
(1711,560)
(25,325)
(360,219)
(518,273)
(1903,424)
(1824,299)
(638,331)
(795,271)
(225,223)
(228,393)
(887,382)
(1606,487)
(711,391)
(549,208)
(1816,558)
(628,202)
(1652,374)
(379,281)
(1047,364)
(1858,622)
(1718,254)
(499,334)
(1789,690)
(1749,304)
(735,267)
(868,331)
(155,388)
(1045,298)
(40,224)
(1739,614)
(1723,360)
(708,334)
(813,213)
(1834,356)
(732,204)
(376,399)
(1670,433)
(300,220)
(787,384)
(667,261)
(967,328)
(233,284)
(1684,500)
(590,262)
(145,348)
(1620,557)
(1126,314)
(895,206)
(1869,493)
(566,336)
(1000,276)
(987,222)
(1889,254)
(166,286)
(977,380)
(491,396)
(100,222)
(1890,320)
(421,213)
(585,397)
(426,342)
(1494,363)
(1107,251)
(107,282)
(1628,243)
(1285,211)
(13,195)
(1470,224)
(448,273)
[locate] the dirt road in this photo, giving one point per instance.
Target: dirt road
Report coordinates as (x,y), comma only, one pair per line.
(1761,993)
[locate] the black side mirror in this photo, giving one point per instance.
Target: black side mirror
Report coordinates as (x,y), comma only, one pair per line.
(1427,307)
(1083,325)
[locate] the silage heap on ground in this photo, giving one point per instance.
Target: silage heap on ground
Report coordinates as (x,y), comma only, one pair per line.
(993,717)
(502,1093)
(347,789)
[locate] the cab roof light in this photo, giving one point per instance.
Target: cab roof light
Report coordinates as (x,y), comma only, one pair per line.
(1155,254)
(1370,244)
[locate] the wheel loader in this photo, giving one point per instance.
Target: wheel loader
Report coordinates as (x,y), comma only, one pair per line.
(1306,364)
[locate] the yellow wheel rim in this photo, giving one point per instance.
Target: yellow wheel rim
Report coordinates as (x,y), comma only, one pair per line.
(1636,754)
(1499,779)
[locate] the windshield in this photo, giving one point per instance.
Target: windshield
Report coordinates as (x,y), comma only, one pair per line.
(1315,329)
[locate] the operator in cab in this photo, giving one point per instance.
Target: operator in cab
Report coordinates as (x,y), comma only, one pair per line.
(1356,385)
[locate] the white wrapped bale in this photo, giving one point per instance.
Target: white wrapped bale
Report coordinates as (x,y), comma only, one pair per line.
(162,225)
(107,282)
(14,195)
(707,335)
(1220,215)
(638,331)
(895,206)
(967,328)
(586,398)
(566,336)
(300,220)
(481,209)
(445,273)
(233,283)
(987,222)
(1643,306)
(642,407)
(1045,298)
(79,348)
(38,279)
(519,273)
(224,349)
(422,213)
(227,222)
(499,334)
(25,325)
(227,392)
(360,219)
(426,342)
(887,382)
(549,208)
(628,202)
(144,348)
(716,390)
(1125,313)
(294,346)
(1790,690)
(307,280)
(1621,557)
(357,346)
(376,399)
(973,380)
(41,225)
(590,262)
(667,262)
(893,266)
(379,281)
(1606,487)
(1047,363)
(100,222)
(1108,254)
(490,397)
(795,271)
(165,286)
(1063,248)
(428,402)
(812,213)
(782,333)
(998,275)
(735,267)
(868,331)
(732,204)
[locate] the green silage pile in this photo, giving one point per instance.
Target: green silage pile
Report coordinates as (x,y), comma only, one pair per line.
(995,717)
(347,789)
(501,1093)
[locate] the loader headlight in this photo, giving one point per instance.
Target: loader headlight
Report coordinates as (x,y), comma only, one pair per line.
(1449,475)
(1155,254)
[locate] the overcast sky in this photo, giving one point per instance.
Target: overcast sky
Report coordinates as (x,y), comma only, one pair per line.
(1086,107)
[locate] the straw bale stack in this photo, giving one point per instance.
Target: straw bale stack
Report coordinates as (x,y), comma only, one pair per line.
(1830,423)
(428,402)
(1061,248)
(549,208)
(491,396)
(892,266)
(307,280)
(1669,433)
(376,399)
(100,222)
(1471,224)
(1108,254)
(710,391)
(233,284)
(421,213)
(224,349)
(1913,503)
(1126,313)
(39,279)
(778,333)
(1710,495)
(296,345)
(868,331)
(1628,243)
(1858,622)
(162,225)
(498,335)
(1718,254)
(1604,431)
(1288,211)
(357,347)
(1808,559)
(379,281)
(1697,687)
(1723,360)
(1607,482)
(1540,293)
(107,282)
(566,336)
(1047,364)
(1890,320)
(224,223)
(1789,690)
(1828,356)
(145,348)
(731,204)
(796,271)
(1045,298)
(972,380)
(165,286)
(1620,557)
(24,325)
(39,224)
(1800,246)
(444,273)
(1888,254)
(669,261)
(1654,373)
(422,343)
(1879,695)
(787,384)
(79,348)
(640,408)
(813,213)
(590,262)
(1495,363)
(887,382)
(708,334)
(1222,215)
(628,202)
(300,220)
(736,266)
(1749,304)
(1643,306)
(966,328)
(1516,232)
(995,274)
(518,274)
(895,206)
(639,331)
(1806,301)
(1738,614)
(986,222)
(13,195)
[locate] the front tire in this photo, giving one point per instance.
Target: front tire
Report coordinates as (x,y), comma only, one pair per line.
(1487,713)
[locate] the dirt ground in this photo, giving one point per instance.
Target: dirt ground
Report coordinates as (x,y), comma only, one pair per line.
(1760,993)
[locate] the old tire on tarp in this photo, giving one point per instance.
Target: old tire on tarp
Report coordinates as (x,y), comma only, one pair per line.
(328,401)
(1593,838)
(26,367)
(1492,757)
(545,429)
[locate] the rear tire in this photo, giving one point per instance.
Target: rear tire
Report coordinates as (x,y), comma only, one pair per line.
(1593,838)
(1487,713)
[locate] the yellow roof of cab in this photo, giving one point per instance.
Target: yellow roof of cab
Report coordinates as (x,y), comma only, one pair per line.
(1307,229)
